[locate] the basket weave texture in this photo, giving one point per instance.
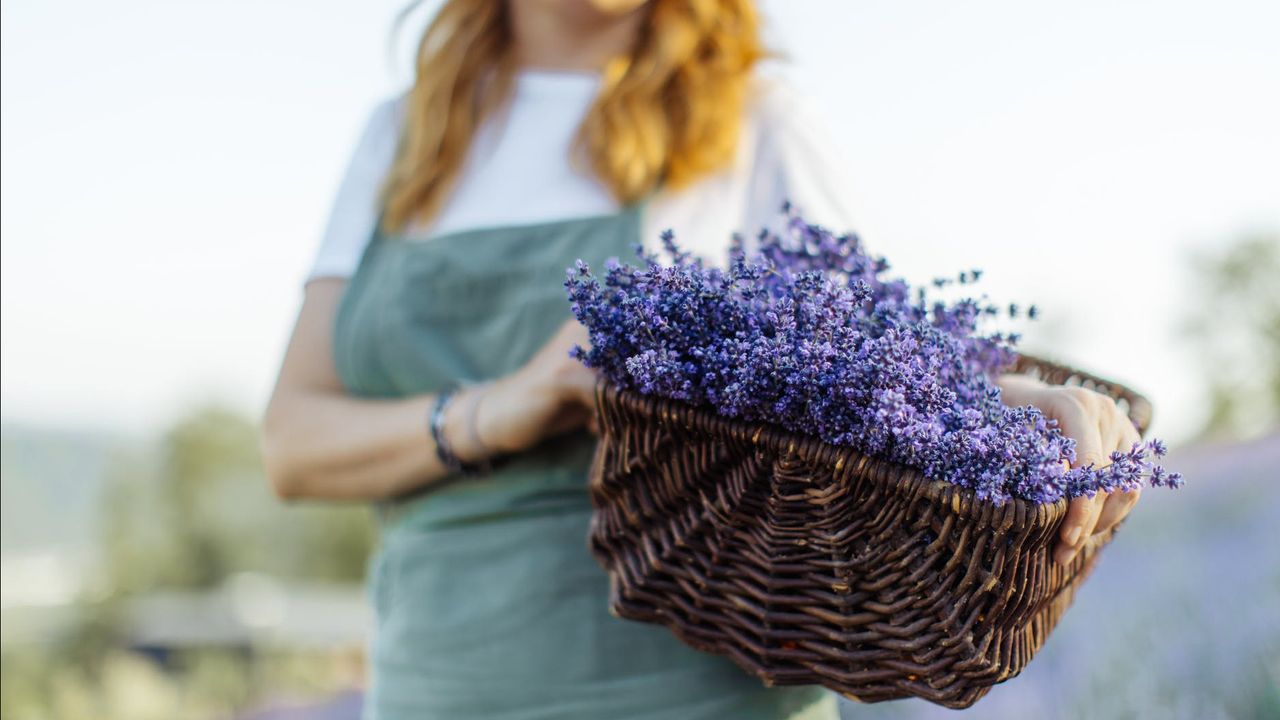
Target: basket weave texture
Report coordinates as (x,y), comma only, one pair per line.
(808,563)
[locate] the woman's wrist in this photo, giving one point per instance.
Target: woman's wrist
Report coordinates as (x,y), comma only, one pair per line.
(461,425)
(503,416)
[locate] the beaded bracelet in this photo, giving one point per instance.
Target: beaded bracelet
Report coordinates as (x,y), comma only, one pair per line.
(444,451)
(485,464)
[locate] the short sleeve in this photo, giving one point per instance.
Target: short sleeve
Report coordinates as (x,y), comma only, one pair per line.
(355,207)
(785,154)
(796,161)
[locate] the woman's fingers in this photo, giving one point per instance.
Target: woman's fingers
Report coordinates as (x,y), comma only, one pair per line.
(1096,503)
(1078,418)
(1077,512)
(1119,503)
(1098,428)
(580,385)
(1082,515)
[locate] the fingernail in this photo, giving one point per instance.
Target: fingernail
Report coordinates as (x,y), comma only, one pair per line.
(1073,535)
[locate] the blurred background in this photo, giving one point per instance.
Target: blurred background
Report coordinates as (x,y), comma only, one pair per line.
(167,169)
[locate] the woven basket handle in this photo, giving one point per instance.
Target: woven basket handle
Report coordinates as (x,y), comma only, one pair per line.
(1136,405)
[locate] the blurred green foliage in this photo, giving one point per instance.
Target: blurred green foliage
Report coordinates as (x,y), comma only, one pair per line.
(122,685)
(187,512)
(200,510)
(1233,323)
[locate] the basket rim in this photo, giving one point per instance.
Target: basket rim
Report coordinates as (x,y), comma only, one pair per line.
(888,474)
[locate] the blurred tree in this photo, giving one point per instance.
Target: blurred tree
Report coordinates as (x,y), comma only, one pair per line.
(197,509)
(186,512)
(1234,323)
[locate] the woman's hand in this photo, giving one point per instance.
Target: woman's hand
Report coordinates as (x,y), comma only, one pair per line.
(550,394)
(1098,427)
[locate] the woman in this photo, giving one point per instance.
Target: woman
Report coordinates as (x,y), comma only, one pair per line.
(539,132)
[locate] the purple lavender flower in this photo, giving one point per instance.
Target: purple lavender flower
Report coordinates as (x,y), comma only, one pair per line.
(808,333)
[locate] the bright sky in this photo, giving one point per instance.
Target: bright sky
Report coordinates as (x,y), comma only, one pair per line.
(167,168)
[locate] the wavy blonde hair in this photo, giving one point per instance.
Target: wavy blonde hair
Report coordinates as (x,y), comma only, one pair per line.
(667,113)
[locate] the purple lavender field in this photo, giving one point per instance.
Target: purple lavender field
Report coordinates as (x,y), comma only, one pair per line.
(1181,618)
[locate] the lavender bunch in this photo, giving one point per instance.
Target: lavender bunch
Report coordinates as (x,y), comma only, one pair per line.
(808,333)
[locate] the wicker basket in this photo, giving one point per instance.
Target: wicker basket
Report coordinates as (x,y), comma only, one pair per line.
(808,563)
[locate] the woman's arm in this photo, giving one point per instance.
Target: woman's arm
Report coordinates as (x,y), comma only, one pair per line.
(320,442)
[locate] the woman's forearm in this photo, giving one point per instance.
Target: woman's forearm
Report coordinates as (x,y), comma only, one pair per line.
(320,441)
(334,446)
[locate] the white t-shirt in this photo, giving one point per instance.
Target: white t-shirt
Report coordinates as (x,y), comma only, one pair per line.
(519,171)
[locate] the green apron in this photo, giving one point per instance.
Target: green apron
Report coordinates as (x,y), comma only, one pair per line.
(487,601)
